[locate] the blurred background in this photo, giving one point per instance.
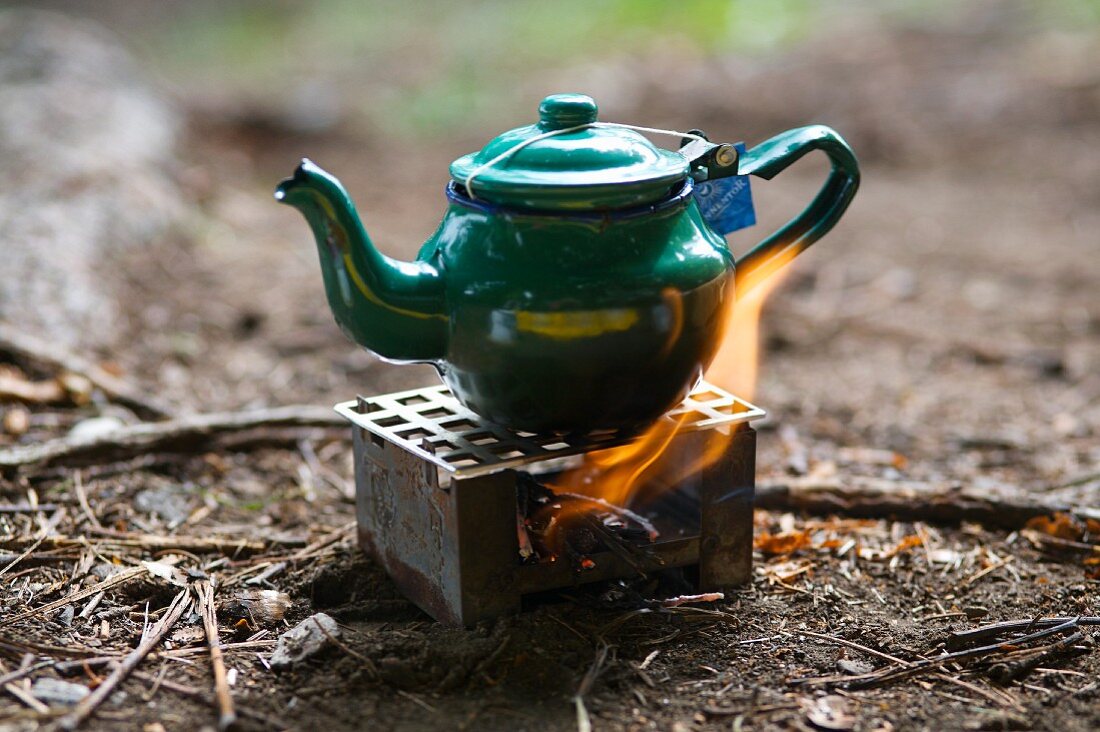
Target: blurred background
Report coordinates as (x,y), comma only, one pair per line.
(956,304)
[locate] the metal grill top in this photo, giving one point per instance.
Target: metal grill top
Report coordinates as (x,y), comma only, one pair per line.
(430,422)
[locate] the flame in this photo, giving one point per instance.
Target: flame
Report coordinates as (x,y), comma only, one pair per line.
(618,475)
(736,367)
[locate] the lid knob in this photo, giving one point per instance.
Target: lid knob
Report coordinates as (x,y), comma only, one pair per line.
(559,111)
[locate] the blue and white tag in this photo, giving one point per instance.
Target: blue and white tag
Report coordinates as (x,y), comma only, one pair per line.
(726,203)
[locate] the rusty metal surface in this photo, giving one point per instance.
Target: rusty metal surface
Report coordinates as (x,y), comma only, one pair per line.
(727,488)
(430,422)
(448,539)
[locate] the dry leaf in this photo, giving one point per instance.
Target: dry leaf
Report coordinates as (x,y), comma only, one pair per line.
(831,713)
(1060,525)
(907,542)
(787,542)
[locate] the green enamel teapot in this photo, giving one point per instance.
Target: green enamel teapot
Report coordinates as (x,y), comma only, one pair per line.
(573,285)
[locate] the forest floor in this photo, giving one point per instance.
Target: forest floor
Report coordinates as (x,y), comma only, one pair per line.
(946,333)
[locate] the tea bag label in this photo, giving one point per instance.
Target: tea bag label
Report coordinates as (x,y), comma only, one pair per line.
(726,203)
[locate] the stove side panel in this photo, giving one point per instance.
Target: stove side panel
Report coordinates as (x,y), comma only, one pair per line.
(408,524)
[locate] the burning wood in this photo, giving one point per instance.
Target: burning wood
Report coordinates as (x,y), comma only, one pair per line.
(569,526)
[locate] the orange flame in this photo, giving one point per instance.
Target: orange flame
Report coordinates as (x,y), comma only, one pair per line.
(618,474)
(736,367)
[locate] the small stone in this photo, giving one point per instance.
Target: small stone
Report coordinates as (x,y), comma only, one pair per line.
(973,612)
(830,713)
(304,640)
(65,615)
(93,427)
(854,668)
(55,691)
(170,503)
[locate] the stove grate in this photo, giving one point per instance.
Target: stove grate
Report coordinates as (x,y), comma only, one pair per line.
(431,423)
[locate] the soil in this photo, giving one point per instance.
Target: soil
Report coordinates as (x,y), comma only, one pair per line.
(947,330)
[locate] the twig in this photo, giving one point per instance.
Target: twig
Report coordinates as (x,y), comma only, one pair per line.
(982,573)
(185,434)
(950,503)
(959,638)
(1045,541)
(853,645)
(226,716)
(27,507)
(594,670)
(1019,665)
(368,663)
(852,680)
(584,723)
(930,663)
(310,551)
(82,498)
(21,694)
(25,671)
(612,508)
(149,640)
(187,543)
(46,530)
(118,579)
(154,542)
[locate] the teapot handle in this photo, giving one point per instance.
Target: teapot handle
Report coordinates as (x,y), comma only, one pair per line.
(769,158)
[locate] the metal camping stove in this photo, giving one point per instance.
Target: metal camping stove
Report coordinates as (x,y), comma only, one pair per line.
(437,500)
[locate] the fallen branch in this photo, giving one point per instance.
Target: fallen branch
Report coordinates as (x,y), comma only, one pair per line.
(926,664)
(863,497)
(149,640)
(226,716)
(959,638)
(46,356)
(194,433)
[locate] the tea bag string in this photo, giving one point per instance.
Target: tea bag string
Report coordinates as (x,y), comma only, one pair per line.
(566,130)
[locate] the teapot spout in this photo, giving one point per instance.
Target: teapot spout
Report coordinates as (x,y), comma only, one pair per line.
(393,308)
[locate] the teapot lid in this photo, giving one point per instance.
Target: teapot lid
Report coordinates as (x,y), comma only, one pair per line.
(570,162)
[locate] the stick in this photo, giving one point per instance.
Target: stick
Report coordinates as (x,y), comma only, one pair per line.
(960,638)
(82,498)
(928,663)
(308,552)
(41,354)
(186,543)
(866,497)
(22,694)
(226,716)
(25,671)
(27,507)
(190,434)
(154,542)
(149,640)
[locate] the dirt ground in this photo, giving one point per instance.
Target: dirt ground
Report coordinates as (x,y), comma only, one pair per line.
(946,333)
